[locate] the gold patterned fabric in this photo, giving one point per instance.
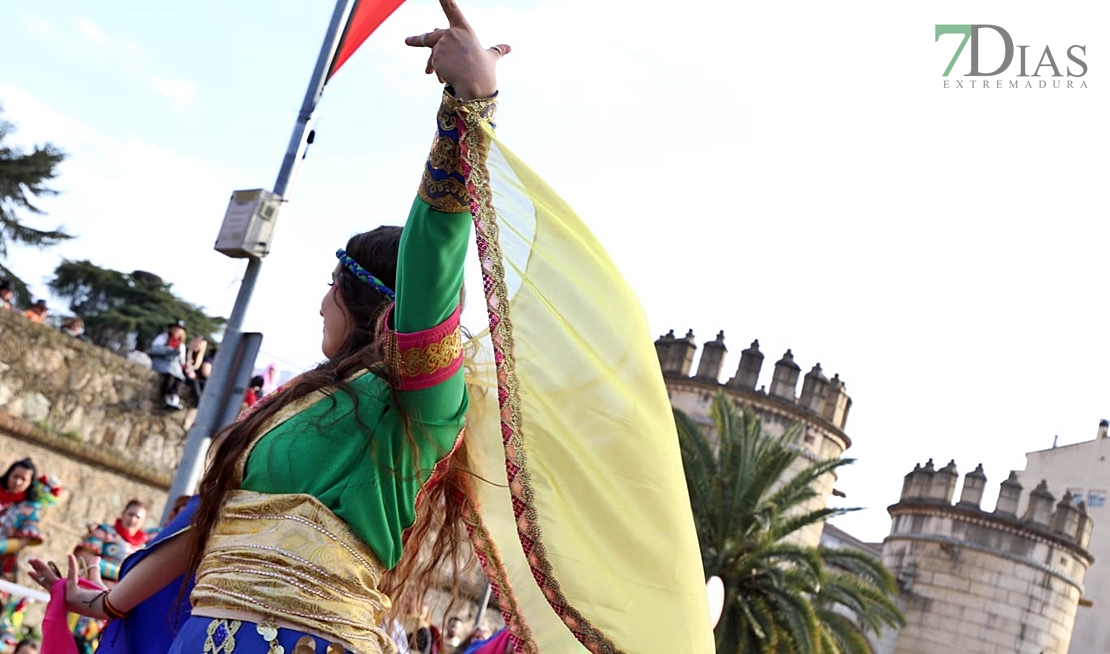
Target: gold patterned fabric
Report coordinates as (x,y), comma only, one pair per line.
(423,359)
(443,185)
(290,559)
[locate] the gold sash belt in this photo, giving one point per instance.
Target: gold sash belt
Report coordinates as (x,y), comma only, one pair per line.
(288,559)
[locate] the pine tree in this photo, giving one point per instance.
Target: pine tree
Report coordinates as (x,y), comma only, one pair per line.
(123,311)
(23,178)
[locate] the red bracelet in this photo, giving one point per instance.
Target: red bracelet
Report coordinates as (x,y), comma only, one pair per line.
(112,612)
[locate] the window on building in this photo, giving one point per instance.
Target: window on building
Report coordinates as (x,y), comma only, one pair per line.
(1096,498)
(1076,495)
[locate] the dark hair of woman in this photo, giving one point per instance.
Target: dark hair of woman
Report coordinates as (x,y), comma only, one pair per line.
(439,509)
(26,464)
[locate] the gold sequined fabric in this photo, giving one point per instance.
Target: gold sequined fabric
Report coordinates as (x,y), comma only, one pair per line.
(290,559)
(443,185)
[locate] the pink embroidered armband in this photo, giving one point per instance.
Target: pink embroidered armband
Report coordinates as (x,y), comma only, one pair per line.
(423,359)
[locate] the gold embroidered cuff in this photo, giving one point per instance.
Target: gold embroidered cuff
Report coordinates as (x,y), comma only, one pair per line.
(423,359)
(458,127)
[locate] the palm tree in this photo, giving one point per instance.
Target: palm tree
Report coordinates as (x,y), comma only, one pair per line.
(780,596)
(855,585)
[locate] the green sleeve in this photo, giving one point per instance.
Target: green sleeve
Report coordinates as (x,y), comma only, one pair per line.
(434,243)
(430,266)
(429,280)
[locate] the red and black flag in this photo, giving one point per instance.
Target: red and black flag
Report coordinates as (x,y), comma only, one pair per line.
(365,17)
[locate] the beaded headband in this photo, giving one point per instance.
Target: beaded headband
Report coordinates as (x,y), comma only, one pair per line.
(363,274)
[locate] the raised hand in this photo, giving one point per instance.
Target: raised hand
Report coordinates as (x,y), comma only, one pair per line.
(458,57)
(81,598)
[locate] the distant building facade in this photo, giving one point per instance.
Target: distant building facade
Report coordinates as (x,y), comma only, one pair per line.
(1007,581)
(1082,472)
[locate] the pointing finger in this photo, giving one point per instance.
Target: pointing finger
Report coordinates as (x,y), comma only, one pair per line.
(501,49)
(454,15)
(426,40)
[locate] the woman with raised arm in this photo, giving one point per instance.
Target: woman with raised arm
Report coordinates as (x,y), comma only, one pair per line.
(305,503)
(568,481)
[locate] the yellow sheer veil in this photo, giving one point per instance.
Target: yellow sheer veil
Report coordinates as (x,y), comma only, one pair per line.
(587,535)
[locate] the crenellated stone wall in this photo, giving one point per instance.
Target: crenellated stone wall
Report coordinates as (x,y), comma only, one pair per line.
(821,410)
(980,582)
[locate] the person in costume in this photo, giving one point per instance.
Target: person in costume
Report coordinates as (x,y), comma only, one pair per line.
(568,480)
(23,494)
(105,547)
(20,504)
(284,558)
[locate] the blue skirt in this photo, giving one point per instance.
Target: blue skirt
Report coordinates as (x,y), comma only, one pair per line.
(199,635)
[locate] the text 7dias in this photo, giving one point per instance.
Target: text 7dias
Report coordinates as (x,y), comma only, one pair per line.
(972,32)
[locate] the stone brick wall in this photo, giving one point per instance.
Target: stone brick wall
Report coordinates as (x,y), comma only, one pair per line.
(978,602)
(87,394)
(90,418)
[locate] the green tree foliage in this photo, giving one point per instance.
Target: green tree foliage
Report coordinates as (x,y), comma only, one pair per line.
(23,178)
(780,596)
(118,307)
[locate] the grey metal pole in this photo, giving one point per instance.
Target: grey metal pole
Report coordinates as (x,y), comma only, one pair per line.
(219,383)
(484,605)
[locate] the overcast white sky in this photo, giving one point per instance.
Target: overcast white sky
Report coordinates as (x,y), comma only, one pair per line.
(792,172)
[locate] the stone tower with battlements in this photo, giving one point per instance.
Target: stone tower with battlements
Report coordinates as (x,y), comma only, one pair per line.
(984,582)
(821,407)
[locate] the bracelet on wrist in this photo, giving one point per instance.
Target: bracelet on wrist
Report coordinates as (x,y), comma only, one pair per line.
(112,612)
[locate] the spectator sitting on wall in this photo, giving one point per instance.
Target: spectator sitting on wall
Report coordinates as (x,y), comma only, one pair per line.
(37,312)
(195,360)
(74,326)
(168,358)
(6,295)
(205,369)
